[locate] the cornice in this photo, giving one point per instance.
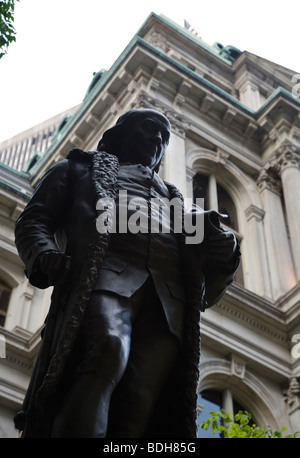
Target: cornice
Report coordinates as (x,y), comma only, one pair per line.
(265,360)
(272,103)
(21,347)
(270,69)
(270,321)
(250,306)
(14,182)
(274,331)
(20,351)
(257,333)
(289,304)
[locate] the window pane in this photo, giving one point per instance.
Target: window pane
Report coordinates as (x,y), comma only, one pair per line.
(237,407)
(200,187)
(209,401)
(226,205)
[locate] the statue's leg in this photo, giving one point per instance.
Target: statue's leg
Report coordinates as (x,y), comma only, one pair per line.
(102,351)
(154,350)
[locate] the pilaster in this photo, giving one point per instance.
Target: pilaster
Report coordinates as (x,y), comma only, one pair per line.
(292,399)
(288,163)
(277,244)
(258,280)
(174,159)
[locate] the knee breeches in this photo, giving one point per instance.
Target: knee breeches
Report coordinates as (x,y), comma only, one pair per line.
(129,343)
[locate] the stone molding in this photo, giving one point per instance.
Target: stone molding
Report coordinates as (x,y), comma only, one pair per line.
(254,212)
(253,322)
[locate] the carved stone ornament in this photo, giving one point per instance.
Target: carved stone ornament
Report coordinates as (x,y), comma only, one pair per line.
(145,100)
(159,41)
(238,367)
(268,178)
(291,393)
(287,155)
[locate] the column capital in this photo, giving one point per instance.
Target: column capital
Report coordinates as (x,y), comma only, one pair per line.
(287,155)
(143,100)
(291,392)
(178,124)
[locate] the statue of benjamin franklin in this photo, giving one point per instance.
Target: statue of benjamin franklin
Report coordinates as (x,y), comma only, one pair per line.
(121,343)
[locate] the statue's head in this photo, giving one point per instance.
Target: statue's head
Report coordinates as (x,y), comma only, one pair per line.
(140,136)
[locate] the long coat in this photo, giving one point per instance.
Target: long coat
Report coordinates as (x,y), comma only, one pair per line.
(61,215)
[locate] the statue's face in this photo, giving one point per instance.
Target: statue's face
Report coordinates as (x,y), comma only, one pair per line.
(145,139)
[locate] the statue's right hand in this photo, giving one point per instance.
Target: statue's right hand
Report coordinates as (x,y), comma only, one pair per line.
(56,266)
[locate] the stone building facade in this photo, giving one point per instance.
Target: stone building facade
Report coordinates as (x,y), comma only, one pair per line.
(235,142)
(22,150)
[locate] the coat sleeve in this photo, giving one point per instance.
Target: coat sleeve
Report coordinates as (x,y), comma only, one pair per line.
(36,226)
(219,277)
(214,276)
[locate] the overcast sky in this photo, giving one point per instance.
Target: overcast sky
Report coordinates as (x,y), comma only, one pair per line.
(60,43)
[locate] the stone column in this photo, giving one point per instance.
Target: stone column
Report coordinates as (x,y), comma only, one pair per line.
(227,402)
(174,167)
(258,279)
(212,192)
(288,160)
(280,261)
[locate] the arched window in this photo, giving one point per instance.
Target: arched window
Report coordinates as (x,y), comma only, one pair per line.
(217,198)
(214,401)
(208,401)
(5,292)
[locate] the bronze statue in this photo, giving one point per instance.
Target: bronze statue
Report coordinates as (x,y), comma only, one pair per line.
(120,347)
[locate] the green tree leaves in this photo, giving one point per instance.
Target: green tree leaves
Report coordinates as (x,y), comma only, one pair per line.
(7,30)
(241,427)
